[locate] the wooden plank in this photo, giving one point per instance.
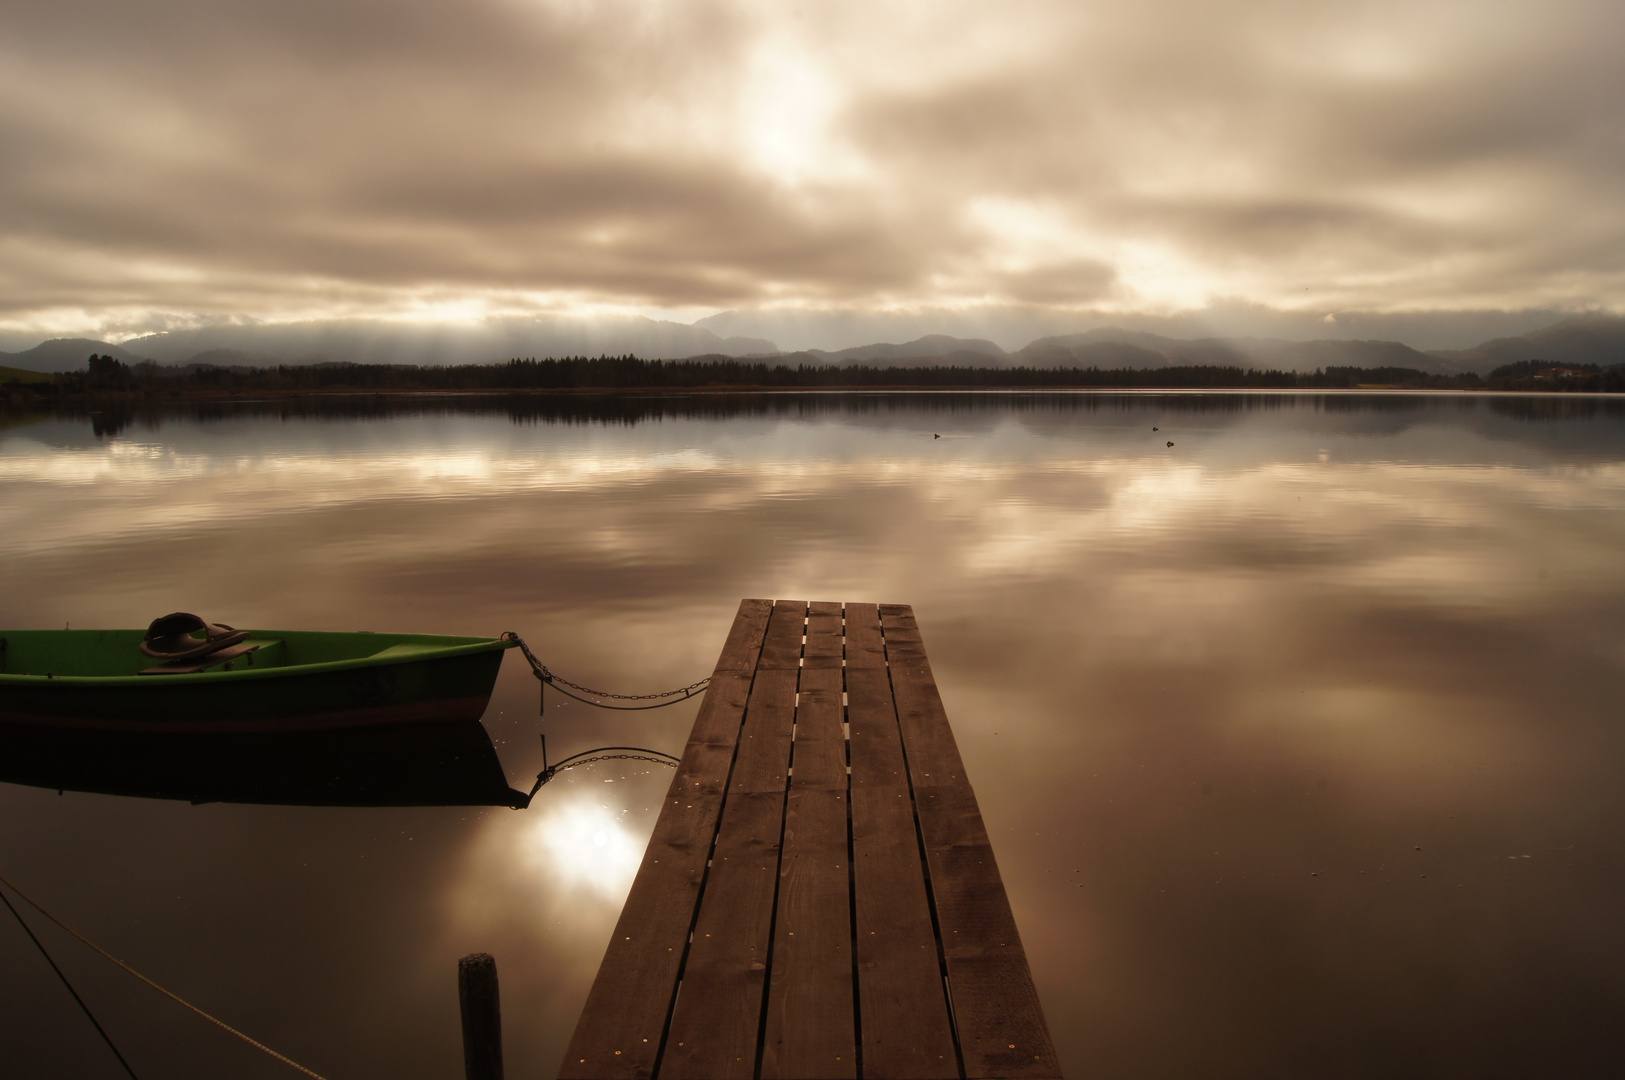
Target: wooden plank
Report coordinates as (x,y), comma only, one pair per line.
(716,1022)
(781,651)
(865,648)
(618,1035)
(903,1010)
(810,1022)
(826,636)
(717,1018)
(1001,1027)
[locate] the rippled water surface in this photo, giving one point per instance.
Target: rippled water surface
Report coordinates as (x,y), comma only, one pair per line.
(1299,740)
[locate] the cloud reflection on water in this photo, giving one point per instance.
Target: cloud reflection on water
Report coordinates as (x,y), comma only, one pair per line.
(1030,514)
(1306,641)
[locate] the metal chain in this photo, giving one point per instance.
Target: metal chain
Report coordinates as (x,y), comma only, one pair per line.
(587,757)
(546,677)
(619,757)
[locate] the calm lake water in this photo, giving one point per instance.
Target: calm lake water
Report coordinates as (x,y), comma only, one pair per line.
(1300,740)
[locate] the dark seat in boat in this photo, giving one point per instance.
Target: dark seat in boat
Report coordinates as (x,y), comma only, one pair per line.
(170,639)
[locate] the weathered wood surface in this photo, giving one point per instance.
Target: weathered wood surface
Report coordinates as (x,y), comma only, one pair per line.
(810,1022)
(903,1005)
(619,1033)
(820,898)
(1001,1024)
(481,1001)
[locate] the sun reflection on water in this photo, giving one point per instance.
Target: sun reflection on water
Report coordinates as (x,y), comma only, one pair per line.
(584,845)
(564,867)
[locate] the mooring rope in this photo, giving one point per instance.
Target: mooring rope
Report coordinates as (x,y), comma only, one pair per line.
(547,678)
(106,1038)
(169,994)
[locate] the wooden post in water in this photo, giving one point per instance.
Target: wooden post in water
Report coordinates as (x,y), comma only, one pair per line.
(482,1016)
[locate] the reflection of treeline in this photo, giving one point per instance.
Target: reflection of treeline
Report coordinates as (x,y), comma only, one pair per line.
(1351,378)
(1521,407)
(111,417)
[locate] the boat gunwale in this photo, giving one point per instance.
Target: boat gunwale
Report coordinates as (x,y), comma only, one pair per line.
(469,647)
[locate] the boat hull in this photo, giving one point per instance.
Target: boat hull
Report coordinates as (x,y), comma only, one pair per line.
(352,681)
(418,764)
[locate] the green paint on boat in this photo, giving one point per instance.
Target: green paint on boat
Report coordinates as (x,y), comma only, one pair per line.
(286,680)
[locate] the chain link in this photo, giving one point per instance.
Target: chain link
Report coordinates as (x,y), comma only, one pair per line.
(587,757)
(618,757)
(546,676)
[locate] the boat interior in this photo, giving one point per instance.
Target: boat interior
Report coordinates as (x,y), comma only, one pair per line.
(118,653)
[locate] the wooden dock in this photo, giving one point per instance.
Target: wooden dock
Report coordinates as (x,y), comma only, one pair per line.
(819,897)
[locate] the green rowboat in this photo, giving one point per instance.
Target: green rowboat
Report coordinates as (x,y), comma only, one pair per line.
(166,681)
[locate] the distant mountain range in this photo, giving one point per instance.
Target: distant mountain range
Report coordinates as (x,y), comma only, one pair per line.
(1583,339)
(1112,348)
(377,342)
(65,354)
(931,349)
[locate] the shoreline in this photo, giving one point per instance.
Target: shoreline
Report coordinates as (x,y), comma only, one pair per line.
(27,397)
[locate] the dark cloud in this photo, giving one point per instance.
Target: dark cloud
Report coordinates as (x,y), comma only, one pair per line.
(183,160)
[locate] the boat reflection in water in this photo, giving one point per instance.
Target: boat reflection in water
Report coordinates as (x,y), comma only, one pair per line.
(253,716)
(420,764)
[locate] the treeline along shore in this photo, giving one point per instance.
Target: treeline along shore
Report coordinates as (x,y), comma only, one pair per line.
(107,377)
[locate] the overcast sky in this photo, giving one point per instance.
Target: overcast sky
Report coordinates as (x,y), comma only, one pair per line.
(170,162)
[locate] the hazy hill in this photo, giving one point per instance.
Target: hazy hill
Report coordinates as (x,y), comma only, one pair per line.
(1112,347)
(66,354)
(231,358)
(393,343)
(1324,353)
(935,347)
(18,375)
(1582,339)
(380,342)
(1589,339)
(1106,355)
